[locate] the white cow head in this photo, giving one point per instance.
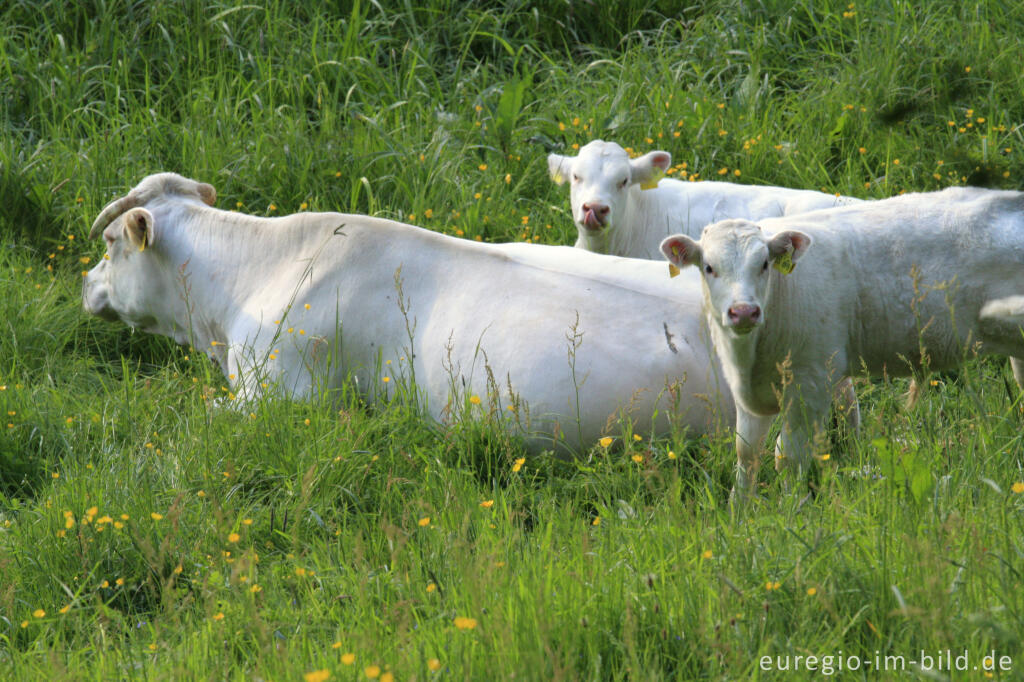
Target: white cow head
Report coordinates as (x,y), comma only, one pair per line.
(133,281)
(600,180)
(735,258)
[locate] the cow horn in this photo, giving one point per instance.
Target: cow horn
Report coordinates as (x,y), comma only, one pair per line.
(111,211)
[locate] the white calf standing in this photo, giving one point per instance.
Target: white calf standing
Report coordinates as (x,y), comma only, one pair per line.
(895,286)
(622,207)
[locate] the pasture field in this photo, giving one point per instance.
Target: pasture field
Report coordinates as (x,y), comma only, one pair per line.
(145,534)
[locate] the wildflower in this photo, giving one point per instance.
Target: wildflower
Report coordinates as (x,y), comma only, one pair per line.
(65,608)
(811,591)
(508,178)
(826,457)
(336,645)
(348,659)
(518,464)
(429,213)
(606,441)
(372,671)
(671,454)
(39,613)
(736,172)
(303,206)
(596,521)
(119,582)
(482,166)
(434,665)
(272,207)
(431,587)
(474,399)
(638,458)
(218,616)
(201,493)
(246,522)
(723,171)
(156,516)
(306,421)
(255,588)
(463,623)
(425,521)
(234,537)
(487,504)
(706,554)
(895,162)
(316,675)
(1017,487)
(386,379)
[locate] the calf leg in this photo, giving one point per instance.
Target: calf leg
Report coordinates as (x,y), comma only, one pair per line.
(751,430)
(1017,365)
(795,447)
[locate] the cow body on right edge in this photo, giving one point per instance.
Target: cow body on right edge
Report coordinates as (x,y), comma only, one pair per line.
(898,286)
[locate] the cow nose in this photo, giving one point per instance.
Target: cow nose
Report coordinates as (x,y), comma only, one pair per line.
(595,214)
(744,314)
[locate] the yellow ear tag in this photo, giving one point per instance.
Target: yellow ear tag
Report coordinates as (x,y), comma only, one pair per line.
(655,179)
(142,246)
(672,270)
(557,178)
(784,263)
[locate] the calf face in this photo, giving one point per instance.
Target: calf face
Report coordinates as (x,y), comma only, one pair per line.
(600,179)
(736,259)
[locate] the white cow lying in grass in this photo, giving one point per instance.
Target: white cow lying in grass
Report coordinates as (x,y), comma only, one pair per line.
(621,206)
(899,286)
(299,302)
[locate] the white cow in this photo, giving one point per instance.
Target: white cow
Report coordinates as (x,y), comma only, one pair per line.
(567,338)
(898,286)
(621,206)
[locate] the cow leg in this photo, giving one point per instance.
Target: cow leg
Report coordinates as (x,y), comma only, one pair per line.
(1017,365)
(804,423)
(844,397)
(751,430)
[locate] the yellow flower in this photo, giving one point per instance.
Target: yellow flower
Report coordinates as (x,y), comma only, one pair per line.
(1017,487)
(463,623)
(234,537)
(482,166)
(811,591)
(372,671)
(706,554)
(606,441)
(474,399)
(638,458)
(596,521)
(425,521)
(218,616)
(431,587)
(433,663)
(387,677)
(119,582)
(637,437)
(336,645)
(348,659)
(317,675)
(255,588)
(429,213)
(246,522)
(156,516)
(671,454)
(39,613)
(518,464)
(386,379)
(487,504)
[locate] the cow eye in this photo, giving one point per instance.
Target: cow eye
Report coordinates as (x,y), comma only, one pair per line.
(765,266)
(623,182)
(709,270)
(575,178)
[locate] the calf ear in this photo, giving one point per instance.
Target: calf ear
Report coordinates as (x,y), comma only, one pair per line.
(138,225)
(558,166)
(786,248)
(207,193)
(650,168)
(680,250)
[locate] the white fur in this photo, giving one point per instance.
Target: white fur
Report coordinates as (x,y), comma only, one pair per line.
(222,280)
(872,283)
(639,219)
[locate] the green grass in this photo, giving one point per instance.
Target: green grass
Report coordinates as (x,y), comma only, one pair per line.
(283,544)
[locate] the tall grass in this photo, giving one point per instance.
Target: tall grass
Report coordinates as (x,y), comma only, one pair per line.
(146,533)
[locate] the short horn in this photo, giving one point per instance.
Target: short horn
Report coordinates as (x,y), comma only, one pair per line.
(110,212)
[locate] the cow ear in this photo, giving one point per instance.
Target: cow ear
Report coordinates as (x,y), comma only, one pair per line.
(650,168)
(138,225)
(207,193)
(681,250)
(558,166)
(786,248)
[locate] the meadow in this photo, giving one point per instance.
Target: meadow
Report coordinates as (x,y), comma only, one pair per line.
(145,534)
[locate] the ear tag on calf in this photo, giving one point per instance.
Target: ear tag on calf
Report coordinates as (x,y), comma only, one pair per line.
(142,245)
(784,263)
(557,178)
(655,179)
(672,270)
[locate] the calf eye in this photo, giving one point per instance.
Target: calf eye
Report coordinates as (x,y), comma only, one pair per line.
(765,266)
(623,183)
(575,178)
(709,270)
